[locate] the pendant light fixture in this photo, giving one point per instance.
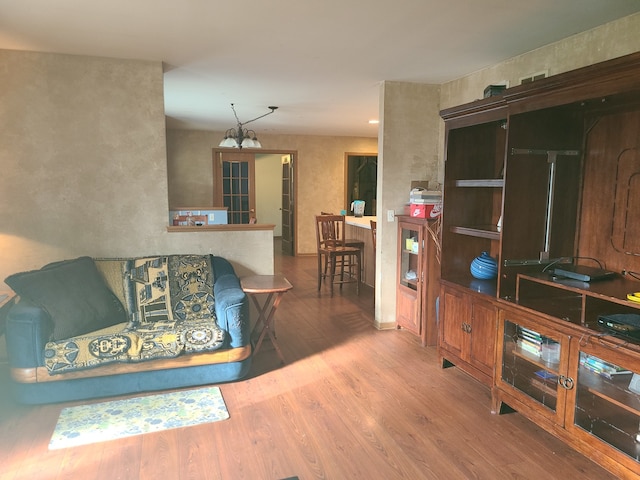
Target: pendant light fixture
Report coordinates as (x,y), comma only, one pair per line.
(240,137)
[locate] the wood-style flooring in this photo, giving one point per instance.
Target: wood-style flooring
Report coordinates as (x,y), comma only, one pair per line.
(351,403)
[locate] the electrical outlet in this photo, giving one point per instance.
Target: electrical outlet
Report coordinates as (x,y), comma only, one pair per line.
(391,215)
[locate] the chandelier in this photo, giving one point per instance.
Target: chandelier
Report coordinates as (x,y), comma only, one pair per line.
(240,137)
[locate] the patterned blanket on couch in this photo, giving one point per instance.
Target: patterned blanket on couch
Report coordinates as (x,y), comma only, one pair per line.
(172,309)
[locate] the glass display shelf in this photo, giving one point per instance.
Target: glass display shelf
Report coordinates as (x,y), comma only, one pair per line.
(608,404)
(409,258)
(530,364)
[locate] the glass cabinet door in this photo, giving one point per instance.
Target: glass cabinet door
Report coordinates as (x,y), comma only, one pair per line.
(410,250)
(531,364)
(607,403)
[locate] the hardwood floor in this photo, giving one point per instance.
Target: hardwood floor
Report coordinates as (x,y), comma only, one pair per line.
(351,403)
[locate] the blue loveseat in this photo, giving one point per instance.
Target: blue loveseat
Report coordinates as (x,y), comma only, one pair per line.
(87,328)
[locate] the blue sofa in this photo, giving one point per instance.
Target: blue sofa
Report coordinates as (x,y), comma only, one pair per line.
(75,332)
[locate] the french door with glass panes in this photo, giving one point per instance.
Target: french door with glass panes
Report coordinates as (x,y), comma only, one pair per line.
(235,180)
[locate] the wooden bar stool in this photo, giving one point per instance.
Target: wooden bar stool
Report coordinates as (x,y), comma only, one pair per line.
(353,243)
(374,233)
(349,242)
(333,253)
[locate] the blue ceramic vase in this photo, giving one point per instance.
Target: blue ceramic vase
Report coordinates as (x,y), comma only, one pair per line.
(484,267)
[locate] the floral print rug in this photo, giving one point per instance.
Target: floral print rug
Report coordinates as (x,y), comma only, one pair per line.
(100,422)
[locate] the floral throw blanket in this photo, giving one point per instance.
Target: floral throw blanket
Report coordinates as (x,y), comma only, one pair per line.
(172,310)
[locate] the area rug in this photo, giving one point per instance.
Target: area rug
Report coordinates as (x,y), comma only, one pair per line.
(101,422)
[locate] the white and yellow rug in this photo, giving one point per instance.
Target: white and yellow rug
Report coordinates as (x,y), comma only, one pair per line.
(100,422)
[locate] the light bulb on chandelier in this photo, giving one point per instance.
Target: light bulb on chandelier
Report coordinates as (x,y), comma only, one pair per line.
(241,137)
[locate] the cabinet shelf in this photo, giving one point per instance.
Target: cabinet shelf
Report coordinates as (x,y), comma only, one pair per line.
(544,386)
(409,283)
(579,305)
(609,418)
(612,391)
(488,182)
(485,288)
(521,372)
(481,231)
(537,361)
(531,369)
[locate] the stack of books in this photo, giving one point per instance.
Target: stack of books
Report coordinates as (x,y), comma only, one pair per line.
(530,341)
(605,369)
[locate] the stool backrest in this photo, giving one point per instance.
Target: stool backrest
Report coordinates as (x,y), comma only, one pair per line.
(329,231)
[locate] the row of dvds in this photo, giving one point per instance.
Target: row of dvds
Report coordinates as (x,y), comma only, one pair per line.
(530,340)
(596,365)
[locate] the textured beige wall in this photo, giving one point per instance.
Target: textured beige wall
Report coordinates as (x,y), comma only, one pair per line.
(190,168)
(319,177)
(409,147)
(84,165)
(608,41)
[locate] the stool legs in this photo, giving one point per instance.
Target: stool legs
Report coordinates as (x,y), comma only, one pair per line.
(320,274)
(328,265)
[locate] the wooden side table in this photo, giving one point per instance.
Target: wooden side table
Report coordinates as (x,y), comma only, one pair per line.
(275,286)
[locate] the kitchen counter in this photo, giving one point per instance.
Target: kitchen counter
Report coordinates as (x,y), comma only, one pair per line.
(362,222)
(359,228)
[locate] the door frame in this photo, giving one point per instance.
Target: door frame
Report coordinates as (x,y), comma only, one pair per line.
(287,204)
(294,160)
(348,197)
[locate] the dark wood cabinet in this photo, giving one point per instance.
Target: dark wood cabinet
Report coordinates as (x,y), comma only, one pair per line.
(467,332)
(576,382)
(542,175)
(556,161)
(417,278)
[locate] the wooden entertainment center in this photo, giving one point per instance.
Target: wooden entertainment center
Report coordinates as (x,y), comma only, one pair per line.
(538,176)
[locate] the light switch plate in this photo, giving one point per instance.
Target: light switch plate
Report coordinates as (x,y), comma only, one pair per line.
(391,215)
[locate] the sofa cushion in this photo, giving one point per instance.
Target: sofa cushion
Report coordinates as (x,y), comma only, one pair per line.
(73,293)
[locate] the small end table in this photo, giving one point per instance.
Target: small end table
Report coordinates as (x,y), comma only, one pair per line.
(275,286)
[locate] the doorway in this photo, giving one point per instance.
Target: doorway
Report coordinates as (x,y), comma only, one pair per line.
(269,190)
(361,180)
(258,186)
(288,205)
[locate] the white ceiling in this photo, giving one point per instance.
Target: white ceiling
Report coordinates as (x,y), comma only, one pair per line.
(320,61)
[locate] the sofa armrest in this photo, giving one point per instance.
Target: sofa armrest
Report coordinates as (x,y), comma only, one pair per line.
(28,329)
(232,309)
(221,266)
